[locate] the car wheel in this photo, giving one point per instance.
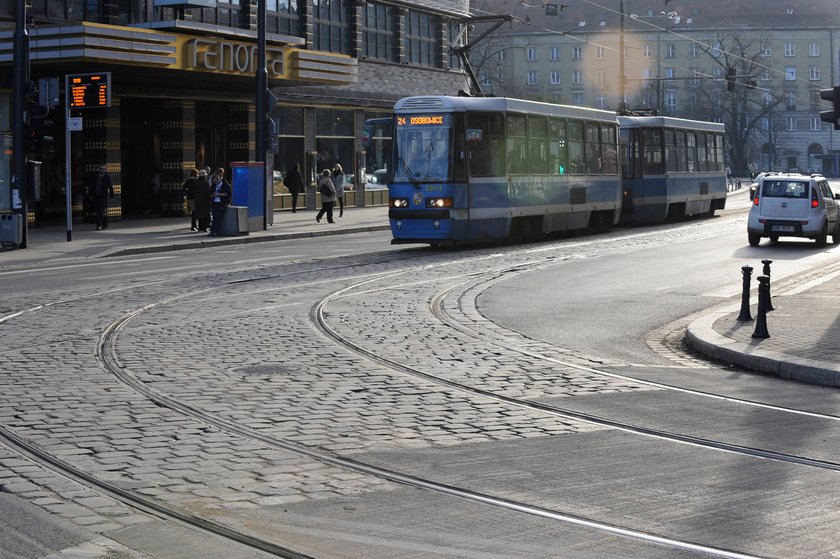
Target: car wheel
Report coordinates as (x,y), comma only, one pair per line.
(835,236)
(754,239)
(822,238)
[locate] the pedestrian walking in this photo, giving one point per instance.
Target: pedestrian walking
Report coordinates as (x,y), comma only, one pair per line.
(189,196)
(327,190)
(103,190)
(293,181)
(201,198)
(338,182)
(220,198)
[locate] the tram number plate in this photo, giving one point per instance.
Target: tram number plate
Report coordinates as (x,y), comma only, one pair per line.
(783,228)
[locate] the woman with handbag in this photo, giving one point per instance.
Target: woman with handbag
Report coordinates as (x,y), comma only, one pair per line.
(327,190)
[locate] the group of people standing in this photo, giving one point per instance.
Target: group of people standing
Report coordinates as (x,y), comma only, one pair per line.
(207,196)
(330,185)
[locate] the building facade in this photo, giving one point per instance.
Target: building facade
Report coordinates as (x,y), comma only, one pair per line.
(183,86)
(756,66)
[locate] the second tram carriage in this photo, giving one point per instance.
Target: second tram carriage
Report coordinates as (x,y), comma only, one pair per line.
(469,169)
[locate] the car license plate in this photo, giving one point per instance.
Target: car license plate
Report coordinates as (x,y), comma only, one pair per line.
(782,228)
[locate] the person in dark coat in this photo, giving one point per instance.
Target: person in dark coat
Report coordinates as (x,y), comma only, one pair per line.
(201,197)
(294,182)
(220,195)
(189,196)
(103,190)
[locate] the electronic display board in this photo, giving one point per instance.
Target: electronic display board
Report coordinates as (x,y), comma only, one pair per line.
(89,91)
(423,120)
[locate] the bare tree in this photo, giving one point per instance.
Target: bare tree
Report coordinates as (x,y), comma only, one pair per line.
(736,99)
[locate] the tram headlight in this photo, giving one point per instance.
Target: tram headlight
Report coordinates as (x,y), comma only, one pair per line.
(438,202)
(398,202)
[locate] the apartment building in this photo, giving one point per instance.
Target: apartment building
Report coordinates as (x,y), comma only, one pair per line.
(756,66)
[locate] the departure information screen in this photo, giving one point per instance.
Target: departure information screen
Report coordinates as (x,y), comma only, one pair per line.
(422,120)
(89,91)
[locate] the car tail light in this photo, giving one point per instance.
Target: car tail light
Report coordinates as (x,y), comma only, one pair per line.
(815,201)
(755,198)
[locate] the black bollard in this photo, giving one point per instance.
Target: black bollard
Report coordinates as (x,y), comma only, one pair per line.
(761,322)
(766,272)
(745,315)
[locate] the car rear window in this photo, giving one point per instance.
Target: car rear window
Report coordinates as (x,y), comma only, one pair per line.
(785,189)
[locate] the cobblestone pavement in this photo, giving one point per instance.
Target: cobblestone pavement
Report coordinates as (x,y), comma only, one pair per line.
(248,352)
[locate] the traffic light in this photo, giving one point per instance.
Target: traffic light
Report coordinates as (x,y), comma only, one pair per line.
(730,78)
(832,116)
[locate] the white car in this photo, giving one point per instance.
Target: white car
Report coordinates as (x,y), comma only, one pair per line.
(794,205)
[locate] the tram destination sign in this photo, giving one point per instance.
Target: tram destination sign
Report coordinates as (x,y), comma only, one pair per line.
(89,91)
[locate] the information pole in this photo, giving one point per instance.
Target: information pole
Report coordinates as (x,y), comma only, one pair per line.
(82,91)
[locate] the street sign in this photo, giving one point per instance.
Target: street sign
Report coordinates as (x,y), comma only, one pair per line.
(89,91)
(48,94)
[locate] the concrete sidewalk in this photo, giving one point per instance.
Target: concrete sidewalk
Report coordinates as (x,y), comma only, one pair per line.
(155,234)
(804,328)
(804,342)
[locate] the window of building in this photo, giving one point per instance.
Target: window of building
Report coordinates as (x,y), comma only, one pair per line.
(671,101)
(602,79)
(499,56)
(485,80)
(555,78)
(719,73)
(554,53)
(647,51)
(601,102)
(765,74)
(815,99)
(716,52)
(577,77)
(600,52)
(532,77)
(790,123)
(334,138)
(531,54)
(814,49)
(226,14)
(422,38)
(790,73)
(577,98)
(577,53)
(790,49)
(767,51)
(695,76)
(693,51)
(790,100)
(670,50)
(378,25)
(282,17)
(814,73)
(291,139)
(331,25)
(670,73)
(816,124)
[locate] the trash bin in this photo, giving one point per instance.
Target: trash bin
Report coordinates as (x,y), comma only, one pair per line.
(235,221)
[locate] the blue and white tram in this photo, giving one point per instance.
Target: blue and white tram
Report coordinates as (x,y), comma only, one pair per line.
(670,168)
(468,169)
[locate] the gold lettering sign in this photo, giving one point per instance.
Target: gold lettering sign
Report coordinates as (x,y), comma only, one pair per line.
(229,57)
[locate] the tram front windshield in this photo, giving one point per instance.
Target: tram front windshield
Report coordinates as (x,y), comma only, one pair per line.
(422,148)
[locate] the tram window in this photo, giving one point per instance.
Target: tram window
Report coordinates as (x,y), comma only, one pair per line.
(702,154)
(682,155)
(459,173)
(652,146)
(670,151)
(719,152)
(538,145)
(576,157)
(558,152)
(609,161)
(691,145)
(593,148)
(517,145)
(487,153)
